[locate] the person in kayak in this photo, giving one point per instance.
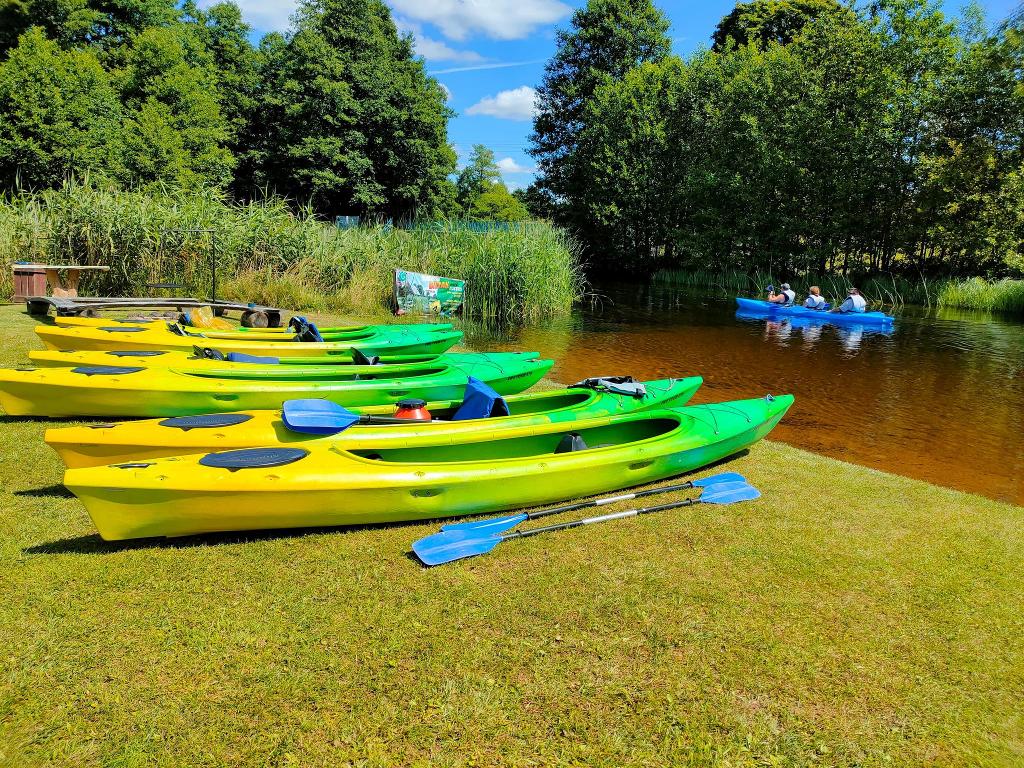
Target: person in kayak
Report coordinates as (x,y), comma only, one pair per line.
(784,298)
(854,303)
(814,298)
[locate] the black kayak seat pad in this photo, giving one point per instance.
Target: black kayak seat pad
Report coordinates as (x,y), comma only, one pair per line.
(105,370)
(253,458)
(206,421)
(571,443)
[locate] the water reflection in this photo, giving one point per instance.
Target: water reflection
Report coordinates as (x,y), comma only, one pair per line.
(810,329)
(939,397)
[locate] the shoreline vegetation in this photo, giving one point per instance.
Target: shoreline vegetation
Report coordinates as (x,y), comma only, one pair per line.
(886,292)
(877,626)
(522,271)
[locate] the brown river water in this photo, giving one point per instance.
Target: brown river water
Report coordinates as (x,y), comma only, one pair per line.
(939,398)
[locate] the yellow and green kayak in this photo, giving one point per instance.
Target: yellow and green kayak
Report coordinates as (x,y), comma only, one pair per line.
(111,391)
(374,340)
(324,485)
(211,356)
(98,444)
(290,329)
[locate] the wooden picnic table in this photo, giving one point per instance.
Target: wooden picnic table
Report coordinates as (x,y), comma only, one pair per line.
(67,285)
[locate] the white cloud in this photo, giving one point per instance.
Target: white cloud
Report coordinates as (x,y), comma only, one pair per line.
(508,165)
(516,104)
(264,15)
(446,91)
(499,19)
(429,48)
(493,65)
(435,50)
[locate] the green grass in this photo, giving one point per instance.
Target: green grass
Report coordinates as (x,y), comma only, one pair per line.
(996,296)
(848,618)
(267,254)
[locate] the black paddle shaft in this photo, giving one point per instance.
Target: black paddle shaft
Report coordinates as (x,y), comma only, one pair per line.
(602,518)
(610,500)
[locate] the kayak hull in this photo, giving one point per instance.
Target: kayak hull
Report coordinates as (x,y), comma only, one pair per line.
(136,337)
(179,496)
(133,391)
(838,318)
(148,439)
(182,358)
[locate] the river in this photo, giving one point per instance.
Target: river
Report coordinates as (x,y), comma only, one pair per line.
(939,398)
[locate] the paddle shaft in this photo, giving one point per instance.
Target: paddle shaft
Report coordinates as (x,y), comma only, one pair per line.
(599,519)
(373,419)
(607,500)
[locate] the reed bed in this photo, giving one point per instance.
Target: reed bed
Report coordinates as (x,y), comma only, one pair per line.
(267,253)
(882,291)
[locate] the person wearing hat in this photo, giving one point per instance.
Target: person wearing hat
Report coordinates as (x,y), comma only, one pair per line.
(784,298)
(854,302)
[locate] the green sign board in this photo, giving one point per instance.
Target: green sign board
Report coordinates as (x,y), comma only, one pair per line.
(427,294)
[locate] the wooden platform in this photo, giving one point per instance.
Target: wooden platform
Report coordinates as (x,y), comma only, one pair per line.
(253,315)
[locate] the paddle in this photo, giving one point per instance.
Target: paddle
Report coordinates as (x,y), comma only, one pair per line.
(504,523)
(324,417)
(448,546)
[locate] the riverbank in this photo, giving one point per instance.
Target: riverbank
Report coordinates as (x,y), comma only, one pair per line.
(847,617)
(882,291)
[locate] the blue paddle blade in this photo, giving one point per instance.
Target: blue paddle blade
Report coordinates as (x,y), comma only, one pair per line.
(492,525)
(729,493)
(316,417)
(725,477)
(448,546)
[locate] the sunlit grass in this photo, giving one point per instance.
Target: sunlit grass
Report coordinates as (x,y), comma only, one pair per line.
(847,618)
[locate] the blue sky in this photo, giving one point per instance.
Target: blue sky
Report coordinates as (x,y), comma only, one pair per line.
(490,55)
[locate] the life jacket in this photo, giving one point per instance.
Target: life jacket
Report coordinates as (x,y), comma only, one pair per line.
(790,297)
(814,302)
(854,303)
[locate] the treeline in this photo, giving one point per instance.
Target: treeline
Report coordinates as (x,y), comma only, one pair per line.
(149,94)
(811,136)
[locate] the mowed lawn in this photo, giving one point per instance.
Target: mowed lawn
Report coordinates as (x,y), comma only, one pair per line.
(847,618)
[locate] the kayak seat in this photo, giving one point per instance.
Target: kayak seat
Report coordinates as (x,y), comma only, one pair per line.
(104,370)
(207,353)
(480,401)
(206,421)
(241,357)
(360,359)
(316,417)
(137,352)
(121,329)
(616,385)
(253,458)
(571,443)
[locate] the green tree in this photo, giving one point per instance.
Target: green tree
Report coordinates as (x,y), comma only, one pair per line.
(174,130)
(351,120)
(607,39)
(496,203)
(774,21)
(59,114)
(106,25)
(480,174)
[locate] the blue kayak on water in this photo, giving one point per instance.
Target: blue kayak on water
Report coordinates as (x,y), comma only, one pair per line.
(839,318)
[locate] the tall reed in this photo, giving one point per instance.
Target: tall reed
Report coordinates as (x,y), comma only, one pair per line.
(268,254)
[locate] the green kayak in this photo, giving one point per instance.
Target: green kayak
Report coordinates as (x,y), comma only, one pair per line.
(136,391)
(286,487)
(97,444)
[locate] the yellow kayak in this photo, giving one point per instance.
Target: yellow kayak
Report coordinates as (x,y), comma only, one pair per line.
(114,391)
(322,485)
(98,444)
(397,340)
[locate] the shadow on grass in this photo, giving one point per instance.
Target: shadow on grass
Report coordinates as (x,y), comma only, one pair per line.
(55,491)
(92,544)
